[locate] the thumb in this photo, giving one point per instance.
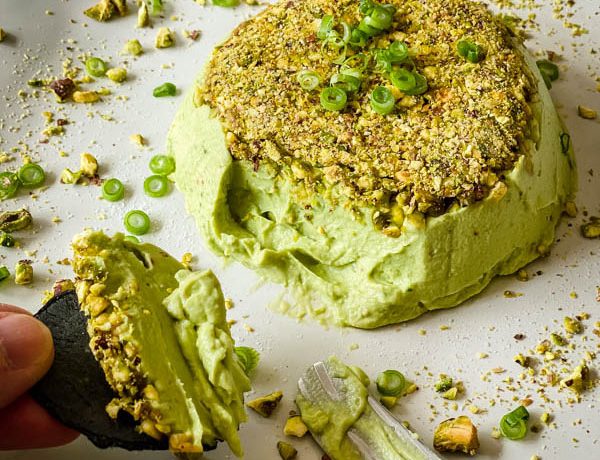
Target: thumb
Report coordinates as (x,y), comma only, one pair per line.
(26,353)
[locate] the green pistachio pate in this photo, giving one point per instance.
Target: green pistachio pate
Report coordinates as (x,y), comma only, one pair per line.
(368,231)
(160,334)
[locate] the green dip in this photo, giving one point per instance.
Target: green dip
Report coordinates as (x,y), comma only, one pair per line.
(160,334)
(355,274)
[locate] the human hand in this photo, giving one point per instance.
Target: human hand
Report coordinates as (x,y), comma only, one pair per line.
(26,354)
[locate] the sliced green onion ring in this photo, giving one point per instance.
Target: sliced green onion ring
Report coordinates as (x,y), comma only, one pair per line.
(472,52)
(113,190)
(420,87)
(398,52)
(382,100)
(368,30)
(345,81)
(366,7)
(162,164)
(9,184)
(359,61)
(325,27)
(380,18)
(137,222)
(31,175)
(95,67)
(390,383)
(164,90)
(358,38)
(248,357)
(334,99)
(226,3)
(403,79)
(4,273)
(549,69)
(383,62)
(308,79)
(347,32)
(156,186)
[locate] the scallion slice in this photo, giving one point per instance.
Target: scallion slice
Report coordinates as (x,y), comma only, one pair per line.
(308,79)
(164,90)
(113,190)
(359,61)
(347,32)
(383,61)
(137,222)
(390,383)
(514,424)
(472,52)
(358,38)
(325,27)
(156,186)
(403,79)
(248,358)
(162,164)
(9,184)
(226,3)
(380,18)
(157,7)
(398,52)
(420,85)
(382,100)
(31,175)
(4,273)
(95,67)
(366,7)
(346,81)
(333,99)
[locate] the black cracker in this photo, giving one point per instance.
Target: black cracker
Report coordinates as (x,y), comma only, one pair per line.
(74,390)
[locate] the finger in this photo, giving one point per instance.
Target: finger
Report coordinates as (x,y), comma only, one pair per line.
(26,425)
(26,353)
(4,307)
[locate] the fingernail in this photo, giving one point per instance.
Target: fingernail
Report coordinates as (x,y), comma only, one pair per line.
(24,341)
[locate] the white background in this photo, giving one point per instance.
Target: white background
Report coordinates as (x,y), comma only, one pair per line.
(37,45)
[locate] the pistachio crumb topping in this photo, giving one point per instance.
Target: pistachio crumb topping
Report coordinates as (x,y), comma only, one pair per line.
(448,146)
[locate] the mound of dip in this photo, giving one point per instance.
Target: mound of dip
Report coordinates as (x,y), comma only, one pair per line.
(374,218)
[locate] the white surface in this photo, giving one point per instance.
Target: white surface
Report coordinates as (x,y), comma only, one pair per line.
(38,43)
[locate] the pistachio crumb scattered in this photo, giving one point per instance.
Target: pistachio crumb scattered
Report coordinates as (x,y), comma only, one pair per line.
(586,112)
(117,74)
(266,405)
(165,38)
(138,139)
(86,97)
(286,450)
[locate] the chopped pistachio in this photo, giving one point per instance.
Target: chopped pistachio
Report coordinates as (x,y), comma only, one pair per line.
(286,450)
(121,6)
(265,405)
(117,74)
(6,239)
(2,34)
(88,165)
(102,11)
(521,359)
(198,97)
(23,272)
(591,229)
(522,275)
(69,177)
(558,339)
(571,209)
(87,97)
(578,380)
(294,426)
(137,139)
(572,325)
(53,131)
(165,38)
(143,18)
(586,112)
(192,34)
(444,384)
(456,435)
(63,88)
(133,47)
(545,418)
(12,221)
(388,401)
(450,394)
